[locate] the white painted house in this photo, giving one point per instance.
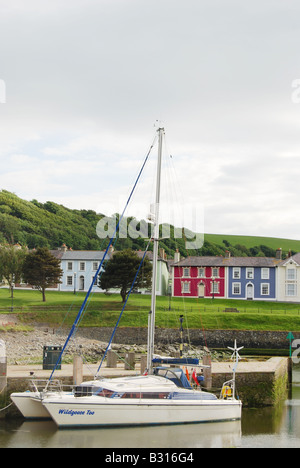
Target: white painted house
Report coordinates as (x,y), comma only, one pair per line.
(79,268)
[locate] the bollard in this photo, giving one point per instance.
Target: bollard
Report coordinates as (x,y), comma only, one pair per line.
(111,359)
(143,363)
(77,370)
(207,372)
(3,366)
(130,360)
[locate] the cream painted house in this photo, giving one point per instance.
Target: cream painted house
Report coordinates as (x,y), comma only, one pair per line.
(288,279)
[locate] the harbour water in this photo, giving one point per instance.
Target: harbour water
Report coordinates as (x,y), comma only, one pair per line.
(260,428)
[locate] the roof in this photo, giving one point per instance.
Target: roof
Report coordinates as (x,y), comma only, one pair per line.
(295,258)
(149,255)
(92,255)
(230,262)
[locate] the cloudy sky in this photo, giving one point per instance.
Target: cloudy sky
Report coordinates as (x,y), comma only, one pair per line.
(83,82)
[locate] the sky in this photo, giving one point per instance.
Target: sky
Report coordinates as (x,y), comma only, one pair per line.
(83,83)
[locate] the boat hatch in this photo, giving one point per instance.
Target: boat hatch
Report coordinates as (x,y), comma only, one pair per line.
(176,375)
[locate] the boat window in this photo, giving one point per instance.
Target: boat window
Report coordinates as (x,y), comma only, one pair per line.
(86,390)
(170,375)
(147,395)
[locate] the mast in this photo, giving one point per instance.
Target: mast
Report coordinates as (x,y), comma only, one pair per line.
(151,317)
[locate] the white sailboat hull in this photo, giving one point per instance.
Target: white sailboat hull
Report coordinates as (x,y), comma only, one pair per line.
(30,405)
(71,412)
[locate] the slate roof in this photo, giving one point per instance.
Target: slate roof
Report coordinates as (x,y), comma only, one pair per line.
(92,255)
(295,258)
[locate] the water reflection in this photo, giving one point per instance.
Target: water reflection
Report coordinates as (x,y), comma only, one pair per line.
(45,434)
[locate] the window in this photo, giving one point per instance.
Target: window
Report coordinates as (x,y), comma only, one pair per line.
(82,266)
(186,272)
(215,272)
(291,274)
(236,288)
(236,273)
(201,272)
(250,273)
(185,287)
(70,266)
(265,289)
(95,266)
(215,287)
(69,280)
(291,289)
(265,273)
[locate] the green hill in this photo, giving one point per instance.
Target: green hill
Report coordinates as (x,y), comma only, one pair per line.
(252,241)
(50,225)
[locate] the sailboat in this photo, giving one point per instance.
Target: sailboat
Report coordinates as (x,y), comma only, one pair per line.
(162,396)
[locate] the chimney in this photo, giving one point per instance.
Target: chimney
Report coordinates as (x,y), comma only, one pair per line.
(177,256)
(279,254)
(227,254)
(64,248)
(162,253)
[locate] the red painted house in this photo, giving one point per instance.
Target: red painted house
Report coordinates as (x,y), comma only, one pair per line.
(199,277)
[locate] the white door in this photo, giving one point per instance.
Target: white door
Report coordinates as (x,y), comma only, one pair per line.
(249,291)
(201,290)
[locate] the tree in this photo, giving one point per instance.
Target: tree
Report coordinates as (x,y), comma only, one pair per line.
(121,270)
(42,269)
(12,259)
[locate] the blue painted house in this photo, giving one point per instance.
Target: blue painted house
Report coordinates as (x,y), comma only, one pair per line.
(251,278)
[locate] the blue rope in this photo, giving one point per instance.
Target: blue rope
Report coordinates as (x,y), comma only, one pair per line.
(123,308)
(99,268)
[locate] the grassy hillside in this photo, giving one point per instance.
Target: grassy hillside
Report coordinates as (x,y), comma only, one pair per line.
(252,241)
(50,225)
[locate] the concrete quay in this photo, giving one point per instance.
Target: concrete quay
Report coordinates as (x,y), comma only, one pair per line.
(258,382)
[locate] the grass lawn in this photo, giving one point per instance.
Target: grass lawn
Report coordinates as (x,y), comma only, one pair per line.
(103,310)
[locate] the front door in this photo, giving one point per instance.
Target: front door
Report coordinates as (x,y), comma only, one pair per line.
(201,290)
(81,283)
(250,292)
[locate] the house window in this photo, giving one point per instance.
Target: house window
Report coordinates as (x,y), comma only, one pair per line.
(265,273)
(215,272)
(186,272)
(201,272)
(250,273)
(236,288)
(265,289)
(82,266)
(69,280)
(215,287)
(291,289)
(70,266)
(95,266)
(236,273)
(185,287)
(291,274)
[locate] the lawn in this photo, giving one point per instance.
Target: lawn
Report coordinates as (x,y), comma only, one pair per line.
(103,310)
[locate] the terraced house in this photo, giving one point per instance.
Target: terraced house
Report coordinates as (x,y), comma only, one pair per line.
(250,278)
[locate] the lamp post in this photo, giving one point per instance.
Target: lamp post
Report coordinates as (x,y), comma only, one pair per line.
(213,286)
(74,283)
